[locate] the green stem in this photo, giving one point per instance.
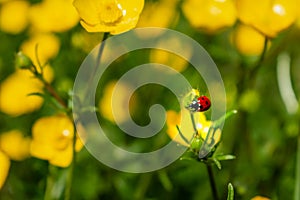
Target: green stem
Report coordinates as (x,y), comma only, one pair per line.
(98,59)
(252,73)
(194,123)
(71,168)
(49,185)
(212,182)
(69,179)
(297,180)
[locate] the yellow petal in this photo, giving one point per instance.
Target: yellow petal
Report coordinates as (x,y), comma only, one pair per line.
(41,150)
(4,166)
(53,139)
(210,15)
(87,10)
(14,17)
(62,158)
(109,15)
(14,91)
(271,17)
(53,15)
(248,40)
(151,15)
(15,145)
(47,45)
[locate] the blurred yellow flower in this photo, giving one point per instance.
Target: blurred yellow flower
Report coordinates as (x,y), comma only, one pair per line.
(153,11)
(210,15)
(248,40)
(183,121)
(48,47)
(114,16)
(105,103)
(269,17)
(15,145)
(53,15)
(53,140)
(260,198)
(14,16)
(170,59)
(15,89)
(4,166)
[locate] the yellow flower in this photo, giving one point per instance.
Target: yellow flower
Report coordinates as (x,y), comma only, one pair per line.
(53,140)
(105,103)
(15,90)
(210,15)
(269,17)
(15,145)
(260,198)
(53,15)
(248,40)
(14,18)
(48,47)
(114,16)
(183,121)
(153,11)
(4,166)
(170,59)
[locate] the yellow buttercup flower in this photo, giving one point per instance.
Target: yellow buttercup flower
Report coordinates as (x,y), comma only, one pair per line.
(269,17)
(53,15)
(15,89)
(14,17)
(210,15)
(183,121)
(4,166)
(151,15)
(170,59)
(114,16)
(105,103)
(15,145)
(53,140)
(248,40)
(47,47)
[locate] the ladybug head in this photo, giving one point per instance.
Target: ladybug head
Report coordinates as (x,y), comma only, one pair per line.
(204,103)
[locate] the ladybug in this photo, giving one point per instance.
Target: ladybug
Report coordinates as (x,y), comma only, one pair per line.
(200,104)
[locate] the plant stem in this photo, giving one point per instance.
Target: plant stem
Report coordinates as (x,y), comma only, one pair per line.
(71,169)
(194,123)
(252,72)
(212,182)
(297,170)
(98,59)
(49,185)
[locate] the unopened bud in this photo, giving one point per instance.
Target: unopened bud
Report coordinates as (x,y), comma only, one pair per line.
(23,61)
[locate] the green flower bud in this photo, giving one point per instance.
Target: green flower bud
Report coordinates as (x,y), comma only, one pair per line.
(23,61)
(196,143)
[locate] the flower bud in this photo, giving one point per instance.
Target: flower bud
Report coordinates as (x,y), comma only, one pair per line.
(23,61)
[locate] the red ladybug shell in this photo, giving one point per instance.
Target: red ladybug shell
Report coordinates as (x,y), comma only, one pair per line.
(204,103)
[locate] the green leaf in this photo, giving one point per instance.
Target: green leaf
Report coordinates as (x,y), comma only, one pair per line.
(165,180)
(221,120)
(217,162)
(208,147)
(230,195)
(225,157)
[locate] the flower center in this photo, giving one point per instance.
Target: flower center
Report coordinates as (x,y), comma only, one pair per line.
(109,12)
